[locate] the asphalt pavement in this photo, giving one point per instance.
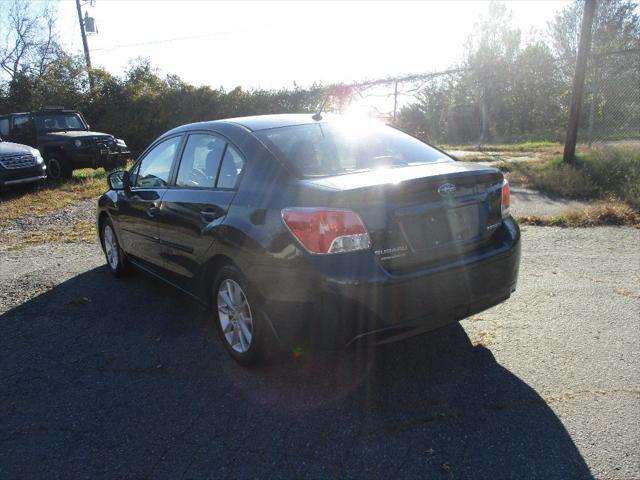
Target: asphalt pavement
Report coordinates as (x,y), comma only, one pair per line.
(125,379)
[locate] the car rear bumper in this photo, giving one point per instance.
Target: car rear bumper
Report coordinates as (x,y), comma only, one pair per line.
(381,308)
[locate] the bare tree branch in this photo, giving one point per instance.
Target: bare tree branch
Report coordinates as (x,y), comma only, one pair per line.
(30,44)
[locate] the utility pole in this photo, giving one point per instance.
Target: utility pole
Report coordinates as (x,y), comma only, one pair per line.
(395,102)
(578,82)
(85,44)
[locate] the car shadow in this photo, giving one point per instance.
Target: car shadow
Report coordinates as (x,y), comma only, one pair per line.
(126,379)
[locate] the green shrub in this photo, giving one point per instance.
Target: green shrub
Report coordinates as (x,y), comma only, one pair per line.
(605,173)
(615,171)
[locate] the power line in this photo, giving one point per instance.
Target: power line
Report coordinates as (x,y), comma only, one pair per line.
(406,78)
(180,39)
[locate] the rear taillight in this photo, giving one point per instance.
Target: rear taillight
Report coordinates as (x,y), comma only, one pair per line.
(506,199)
(323,231)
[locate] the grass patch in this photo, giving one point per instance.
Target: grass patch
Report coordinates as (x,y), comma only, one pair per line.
(551,177)
(80,232)
(607,173)
(508,147)
(40,200)
(478,157)
(604,213)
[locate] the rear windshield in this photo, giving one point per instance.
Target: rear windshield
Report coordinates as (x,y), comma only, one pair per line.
(336,148)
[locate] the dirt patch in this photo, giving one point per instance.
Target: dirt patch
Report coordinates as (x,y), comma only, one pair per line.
(528,202)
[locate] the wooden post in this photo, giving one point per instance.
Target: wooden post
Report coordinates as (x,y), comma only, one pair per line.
(395,103)
(578,82)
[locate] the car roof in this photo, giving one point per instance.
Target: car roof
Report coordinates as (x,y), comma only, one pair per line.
(260,122)
(49,111)
(41,112)
(263,122)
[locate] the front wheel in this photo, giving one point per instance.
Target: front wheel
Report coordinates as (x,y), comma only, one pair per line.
(116,260)
(58,167)
(238,320)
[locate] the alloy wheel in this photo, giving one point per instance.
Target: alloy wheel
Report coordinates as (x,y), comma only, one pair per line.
(111,247)
(234,314)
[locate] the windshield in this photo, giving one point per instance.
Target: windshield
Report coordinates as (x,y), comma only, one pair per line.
(336,148)
(58,121)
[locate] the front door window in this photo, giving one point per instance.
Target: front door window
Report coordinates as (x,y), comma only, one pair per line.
(155,168)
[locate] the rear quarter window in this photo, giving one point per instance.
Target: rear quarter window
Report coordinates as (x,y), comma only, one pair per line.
(231,169)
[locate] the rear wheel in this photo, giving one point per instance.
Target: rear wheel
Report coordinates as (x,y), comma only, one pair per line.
(116,259)
(238,320)
(58,167)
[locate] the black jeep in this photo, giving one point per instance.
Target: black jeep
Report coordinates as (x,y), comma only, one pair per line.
(64,140)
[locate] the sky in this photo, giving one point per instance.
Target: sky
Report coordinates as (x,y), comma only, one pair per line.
(274,44)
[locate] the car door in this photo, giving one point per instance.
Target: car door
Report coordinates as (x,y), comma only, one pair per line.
(140,204)
(205,183)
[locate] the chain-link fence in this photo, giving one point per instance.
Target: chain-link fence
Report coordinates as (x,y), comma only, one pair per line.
(467,106)
(611,107)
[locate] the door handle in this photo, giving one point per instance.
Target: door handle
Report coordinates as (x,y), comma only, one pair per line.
(211,215)
(152,210)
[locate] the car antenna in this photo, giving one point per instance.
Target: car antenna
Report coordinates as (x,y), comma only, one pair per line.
(318,115)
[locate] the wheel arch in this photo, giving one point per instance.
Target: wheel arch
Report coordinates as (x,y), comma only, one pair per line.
(102,218)
(208,274)
(52,150)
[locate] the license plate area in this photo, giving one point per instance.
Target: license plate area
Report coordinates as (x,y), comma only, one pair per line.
(442,227)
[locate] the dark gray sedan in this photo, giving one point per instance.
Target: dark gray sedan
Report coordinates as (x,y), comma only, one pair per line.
(305,230)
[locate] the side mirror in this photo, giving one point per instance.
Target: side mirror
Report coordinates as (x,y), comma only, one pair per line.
(119,180)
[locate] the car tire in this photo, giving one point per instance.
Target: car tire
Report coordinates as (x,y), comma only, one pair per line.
(58,167)
(113,165)
(239,322)
(115,256)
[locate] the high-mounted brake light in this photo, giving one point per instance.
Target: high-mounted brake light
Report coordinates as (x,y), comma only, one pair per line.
(506,199)
(323,231)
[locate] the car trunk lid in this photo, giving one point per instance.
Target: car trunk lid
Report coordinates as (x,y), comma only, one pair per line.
(421,214)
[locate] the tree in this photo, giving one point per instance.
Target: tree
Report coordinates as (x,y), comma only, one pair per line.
(613,69)
(616,27)
(491,53)
(29,42)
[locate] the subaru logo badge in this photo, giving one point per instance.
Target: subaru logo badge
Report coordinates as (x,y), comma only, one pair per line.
(447,189)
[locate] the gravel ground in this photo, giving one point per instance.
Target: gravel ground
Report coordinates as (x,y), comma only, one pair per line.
(67,217)
(107,378)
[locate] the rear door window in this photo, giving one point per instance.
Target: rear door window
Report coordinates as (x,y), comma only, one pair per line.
(200,161)
(21,124)
(4,127)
